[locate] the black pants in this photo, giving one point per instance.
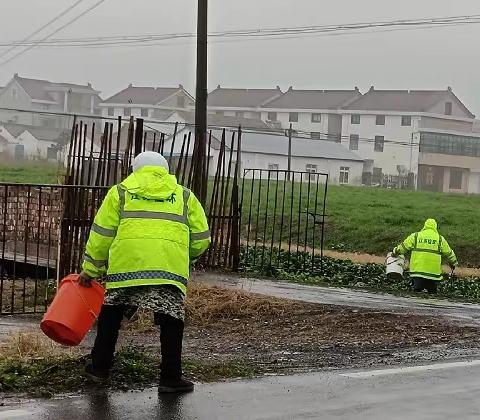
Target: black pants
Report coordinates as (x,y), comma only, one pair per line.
(420,284)
(171,337)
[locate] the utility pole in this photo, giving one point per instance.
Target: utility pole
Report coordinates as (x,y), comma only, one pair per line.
(201,103)
(289,162)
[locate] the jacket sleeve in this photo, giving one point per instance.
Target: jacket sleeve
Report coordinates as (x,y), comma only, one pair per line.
(102,234)
(406,246)
(448,253)
(199,230)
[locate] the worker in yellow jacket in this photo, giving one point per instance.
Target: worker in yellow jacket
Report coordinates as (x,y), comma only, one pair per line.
(427,248)
(145,236)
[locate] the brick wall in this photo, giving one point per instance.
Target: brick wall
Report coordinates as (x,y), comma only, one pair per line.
(30,214)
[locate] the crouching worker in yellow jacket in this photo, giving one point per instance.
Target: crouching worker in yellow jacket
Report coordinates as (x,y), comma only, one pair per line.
(145,236)
(427,248)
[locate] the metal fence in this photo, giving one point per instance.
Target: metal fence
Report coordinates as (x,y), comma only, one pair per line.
(29,235)
(283,220)
(261,220)
(102,159)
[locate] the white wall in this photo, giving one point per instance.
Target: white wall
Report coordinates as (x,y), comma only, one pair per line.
(328,166)
(457,111)
(34,149)
(304,121)
(474,183)
(394,154)
(13,96)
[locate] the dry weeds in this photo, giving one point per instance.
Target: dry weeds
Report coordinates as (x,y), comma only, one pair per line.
(32,344)
(206,304)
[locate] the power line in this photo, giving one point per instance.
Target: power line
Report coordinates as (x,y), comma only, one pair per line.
(70,22)
(256,33)
(46,25)
(304,135)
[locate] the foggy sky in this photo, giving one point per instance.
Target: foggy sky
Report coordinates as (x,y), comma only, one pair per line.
(418,59)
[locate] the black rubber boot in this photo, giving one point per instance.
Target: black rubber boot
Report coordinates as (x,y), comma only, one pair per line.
(96,375)
(171,386)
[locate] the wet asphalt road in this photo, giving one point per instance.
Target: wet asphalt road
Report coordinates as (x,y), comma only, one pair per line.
(447,392)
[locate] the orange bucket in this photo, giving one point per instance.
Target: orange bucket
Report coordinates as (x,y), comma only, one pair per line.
(73,311)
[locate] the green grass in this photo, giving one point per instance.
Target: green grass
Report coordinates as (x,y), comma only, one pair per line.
(359,219)
(25,172)
(374,220)
(134,369)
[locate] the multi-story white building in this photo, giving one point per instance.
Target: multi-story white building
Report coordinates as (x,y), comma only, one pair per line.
(312,112)
(44,98)
(386,127)
(243,103)
(147,102)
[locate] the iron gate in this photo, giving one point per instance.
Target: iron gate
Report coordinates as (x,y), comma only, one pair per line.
(283,220)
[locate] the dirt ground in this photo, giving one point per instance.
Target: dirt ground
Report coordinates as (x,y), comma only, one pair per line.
(309,337)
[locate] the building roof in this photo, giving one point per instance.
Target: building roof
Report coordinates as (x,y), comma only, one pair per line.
(241,98)
(402,100)
(143,95)
(40,89)
(54,135)
(275,144)
(314,99)
(216,120)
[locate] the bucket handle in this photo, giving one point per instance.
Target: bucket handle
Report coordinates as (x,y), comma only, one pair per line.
(83,299)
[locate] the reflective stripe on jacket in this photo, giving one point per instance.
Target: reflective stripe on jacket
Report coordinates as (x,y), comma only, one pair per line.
(427,248)
(146,232)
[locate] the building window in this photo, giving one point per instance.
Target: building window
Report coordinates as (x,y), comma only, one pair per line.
(380,120)
(344,172)
(111,112)
(14,93)
(315,135)
(448,108)
(127,112)
(456,178)
(19,151)
(52,153)
(273,166)
(239,114)
(355,119)
(406,121)
(144,112)
(379,143)
(354,141)
(293,117)
(316,118)
(312,170)
(181,101)
(272,116)
(219,113)
(377,176)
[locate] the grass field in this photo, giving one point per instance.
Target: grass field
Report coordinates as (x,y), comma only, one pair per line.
(374,220)
(359,219)
(26,172)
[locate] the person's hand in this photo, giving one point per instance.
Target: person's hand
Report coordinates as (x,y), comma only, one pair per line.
(452,267)
(85,280)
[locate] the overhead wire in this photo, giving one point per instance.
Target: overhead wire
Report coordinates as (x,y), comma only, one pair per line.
(298,134)
(56,31)
(255,33)
(46,25)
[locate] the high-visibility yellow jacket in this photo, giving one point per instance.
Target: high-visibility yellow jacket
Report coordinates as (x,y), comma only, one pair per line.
(148,231)
(427,248)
